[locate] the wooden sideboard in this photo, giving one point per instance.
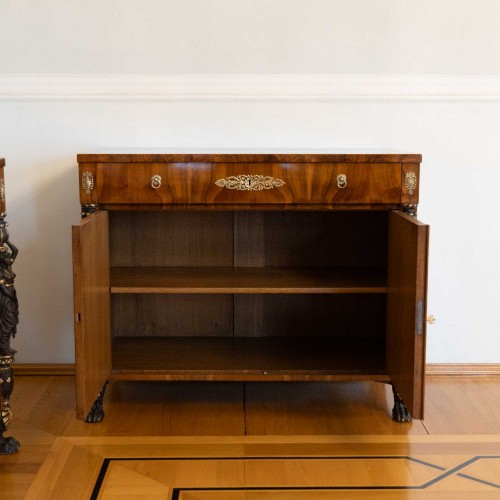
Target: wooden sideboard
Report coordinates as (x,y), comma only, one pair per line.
(250,267)
(9,318)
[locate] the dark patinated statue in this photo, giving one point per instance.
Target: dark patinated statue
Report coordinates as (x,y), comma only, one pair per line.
(9,318)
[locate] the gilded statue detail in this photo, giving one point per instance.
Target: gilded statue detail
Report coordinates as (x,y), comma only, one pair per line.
(9,318)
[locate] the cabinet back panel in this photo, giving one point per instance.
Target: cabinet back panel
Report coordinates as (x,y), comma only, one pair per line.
(141,315)
(171,239)
(248,239)
(263,315)
(249,315)
(309,239)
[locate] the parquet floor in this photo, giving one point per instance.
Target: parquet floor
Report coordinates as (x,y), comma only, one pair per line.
(254,441)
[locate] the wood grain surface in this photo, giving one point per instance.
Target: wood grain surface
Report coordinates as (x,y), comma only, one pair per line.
(248,358)
(91,308)
(406,308)
(148,156)
(247,280)
(195,183)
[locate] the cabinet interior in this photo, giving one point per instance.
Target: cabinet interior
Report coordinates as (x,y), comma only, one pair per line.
(297,292)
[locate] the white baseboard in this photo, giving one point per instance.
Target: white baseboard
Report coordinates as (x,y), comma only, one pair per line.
(464,369)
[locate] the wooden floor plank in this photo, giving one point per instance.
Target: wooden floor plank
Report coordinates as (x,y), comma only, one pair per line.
(167,409)
(323,408)
(462,406)
(122,482)
(46,402)
(17,471)
(69,471)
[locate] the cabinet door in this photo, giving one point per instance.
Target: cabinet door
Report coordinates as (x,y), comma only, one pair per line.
(92,308)
(406,308)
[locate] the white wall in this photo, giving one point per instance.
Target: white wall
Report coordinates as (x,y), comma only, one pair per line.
(250,36)
(457,135)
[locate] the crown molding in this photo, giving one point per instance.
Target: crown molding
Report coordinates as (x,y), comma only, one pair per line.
(44,87)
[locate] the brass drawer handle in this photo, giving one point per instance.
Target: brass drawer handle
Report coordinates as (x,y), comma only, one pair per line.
(156,181)
(342,181)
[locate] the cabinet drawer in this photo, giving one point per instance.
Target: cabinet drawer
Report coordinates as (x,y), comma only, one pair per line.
(241,183)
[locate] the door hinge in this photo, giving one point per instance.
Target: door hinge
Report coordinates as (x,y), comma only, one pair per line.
(420,317)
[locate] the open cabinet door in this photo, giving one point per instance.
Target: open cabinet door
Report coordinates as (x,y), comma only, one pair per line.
(406,308)
(92,309)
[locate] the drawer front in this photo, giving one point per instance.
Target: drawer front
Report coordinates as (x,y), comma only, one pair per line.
(241,183)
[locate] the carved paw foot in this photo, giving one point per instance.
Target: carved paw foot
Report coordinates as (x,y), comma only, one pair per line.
(9,445)
(399,413)
(96,413)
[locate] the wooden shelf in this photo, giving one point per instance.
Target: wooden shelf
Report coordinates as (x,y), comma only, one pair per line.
(247,280)
(250,359)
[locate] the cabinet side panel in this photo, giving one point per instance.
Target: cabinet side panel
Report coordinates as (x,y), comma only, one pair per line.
(406,308)
(92,308)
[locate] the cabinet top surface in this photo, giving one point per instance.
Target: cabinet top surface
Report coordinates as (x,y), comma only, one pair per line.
(248,156)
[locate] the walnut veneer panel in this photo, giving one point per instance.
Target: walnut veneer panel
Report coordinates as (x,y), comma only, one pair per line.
(197,183)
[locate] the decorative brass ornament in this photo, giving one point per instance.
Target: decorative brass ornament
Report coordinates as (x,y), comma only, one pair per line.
(410,182)
(249,182)
(342,181)
(156,181)
(87,182)
(6,413)
(2,190)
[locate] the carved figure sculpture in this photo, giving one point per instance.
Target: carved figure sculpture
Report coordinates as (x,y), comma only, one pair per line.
(9,318)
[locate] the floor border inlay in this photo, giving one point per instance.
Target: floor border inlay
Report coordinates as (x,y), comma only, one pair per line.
(178,490)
